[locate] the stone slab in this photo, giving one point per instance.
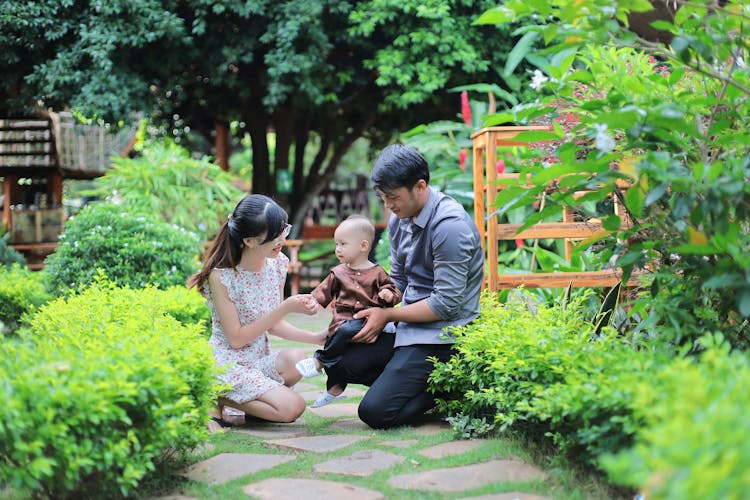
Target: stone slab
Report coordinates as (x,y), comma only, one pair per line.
(310,489)
(450,448)
(467,477)
(349,424)
(305,386)
(228,466)
(361,463)
(336,410)
(316,444)
(513,495)
(431,428)
(272,432)
(401,443)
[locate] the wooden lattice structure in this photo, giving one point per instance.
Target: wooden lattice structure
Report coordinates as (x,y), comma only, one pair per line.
(487,185)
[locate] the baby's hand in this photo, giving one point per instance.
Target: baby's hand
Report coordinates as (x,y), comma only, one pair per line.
(385,294)
(305,304)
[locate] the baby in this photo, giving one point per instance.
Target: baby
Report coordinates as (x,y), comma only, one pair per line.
(352,286)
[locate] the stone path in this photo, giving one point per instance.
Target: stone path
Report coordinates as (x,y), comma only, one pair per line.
(330,454)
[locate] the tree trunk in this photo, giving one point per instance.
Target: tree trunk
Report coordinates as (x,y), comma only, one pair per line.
(221,145)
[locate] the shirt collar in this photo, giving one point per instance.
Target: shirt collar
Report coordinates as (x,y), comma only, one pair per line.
(428,210)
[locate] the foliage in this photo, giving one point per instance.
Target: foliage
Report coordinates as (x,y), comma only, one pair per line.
(165,180)
(692,444)
(21,292)
(184,304)
(8,256)
(332,70)
(131,248)
(673,120)
(104,388)
(541,368)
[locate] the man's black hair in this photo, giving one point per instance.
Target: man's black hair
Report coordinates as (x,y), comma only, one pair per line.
(397,166)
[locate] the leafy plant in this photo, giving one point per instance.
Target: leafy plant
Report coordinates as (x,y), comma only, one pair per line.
(21,292)
(8,256)
(669,118)
(542,369)
(112,387)
(192,193)
(131,248)
(694,415)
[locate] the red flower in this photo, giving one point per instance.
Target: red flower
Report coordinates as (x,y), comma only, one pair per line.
(519,243)
(465,108)
(500,166)
(462,159)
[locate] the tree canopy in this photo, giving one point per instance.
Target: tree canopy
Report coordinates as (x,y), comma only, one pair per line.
(320,73)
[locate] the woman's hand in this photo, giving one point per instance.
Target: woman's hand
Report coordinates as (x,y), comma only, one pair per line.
(322,336)
(302,303)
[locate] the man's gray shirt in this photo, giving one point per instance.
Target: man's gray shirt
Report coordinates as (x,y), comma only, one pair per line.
(437,257)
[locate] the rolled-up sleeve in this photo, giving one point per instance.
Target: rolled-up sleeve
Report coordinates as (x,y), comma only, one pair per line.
(453,246)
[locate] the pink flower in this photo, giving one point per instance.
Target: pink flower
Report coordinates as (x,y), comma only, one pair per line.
(519,243)
(462,159)
(465,108)
(500,166)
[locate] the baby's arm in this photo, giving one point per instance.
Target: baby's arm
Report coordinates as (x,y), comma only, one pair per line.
(388,292)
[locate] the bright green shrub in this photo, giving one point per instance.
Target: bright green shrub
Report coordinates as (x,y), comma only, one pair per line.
(539,368)
(103,389)
(185,305)
(694,443)
(131,248)
(8,256)
(21,291)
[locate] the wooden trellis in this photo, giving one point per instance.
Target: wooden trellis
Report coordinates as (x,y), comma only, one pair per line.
(487,185)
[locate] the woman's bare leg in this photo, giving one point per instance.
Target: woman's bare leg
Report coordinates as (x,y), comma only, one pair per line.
(285,362)
(280,404)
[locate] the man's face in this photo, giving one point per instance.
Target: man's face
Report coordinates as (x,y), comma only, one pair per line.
(404,202)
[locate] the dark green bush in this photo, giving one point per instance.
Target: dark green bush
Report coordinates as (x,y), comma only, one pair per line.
(8,256)
(693,443)
(102,389)
(540,368)
(21,291)
(130,248)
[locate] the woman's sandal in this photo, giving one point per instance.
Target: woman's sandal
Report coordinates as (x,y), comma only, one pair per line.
(223,423)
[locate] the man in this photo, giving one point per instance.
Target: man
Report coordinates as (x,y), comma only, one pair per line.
(437,263)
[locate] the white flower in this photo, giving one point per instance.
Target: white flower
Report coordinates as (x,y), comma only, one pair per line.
(538,80)
(604,142)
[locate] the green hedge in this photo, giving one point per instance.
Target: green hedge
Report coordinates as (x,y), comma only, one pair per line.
(101,389)
(131,248)
(694,441)
(21,291)
(671,426)
(539,368)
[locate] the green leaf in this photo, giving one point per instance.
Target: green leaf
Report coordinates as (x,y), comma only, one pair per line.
(743,302)
(695,249)
(611,223)
(635,200)
(498,15)
(523,46)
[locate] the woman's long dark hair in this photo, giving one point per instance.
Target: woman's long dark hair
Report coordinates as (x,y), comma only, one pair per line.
(253,215)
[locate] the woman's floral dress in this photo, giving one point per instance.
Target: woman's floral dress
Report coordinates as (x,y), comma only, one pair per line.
(250,370)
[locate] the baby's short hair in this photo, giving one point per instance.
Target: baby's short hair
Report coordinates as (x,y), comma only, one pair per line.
(363,225)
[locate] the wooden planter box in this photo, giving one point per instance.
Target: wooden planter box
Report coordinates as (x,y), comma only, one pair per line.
(37,226)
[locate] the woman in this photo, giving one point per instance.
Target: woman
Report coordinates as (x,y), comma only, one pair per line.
(243,281)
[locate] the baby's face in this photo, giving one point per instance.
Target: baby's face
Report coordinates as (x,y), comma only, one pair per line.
(349,245)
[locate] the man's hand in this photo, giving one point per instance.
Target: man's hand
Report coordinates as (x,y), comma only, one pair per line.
(375,320)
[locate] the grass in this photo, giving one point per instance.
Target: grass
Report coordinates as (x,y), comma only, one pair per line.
(564,482)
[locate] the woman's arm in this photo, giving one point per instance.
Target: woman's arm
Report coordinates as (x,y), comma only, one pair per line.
(241,335)
(285,330)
